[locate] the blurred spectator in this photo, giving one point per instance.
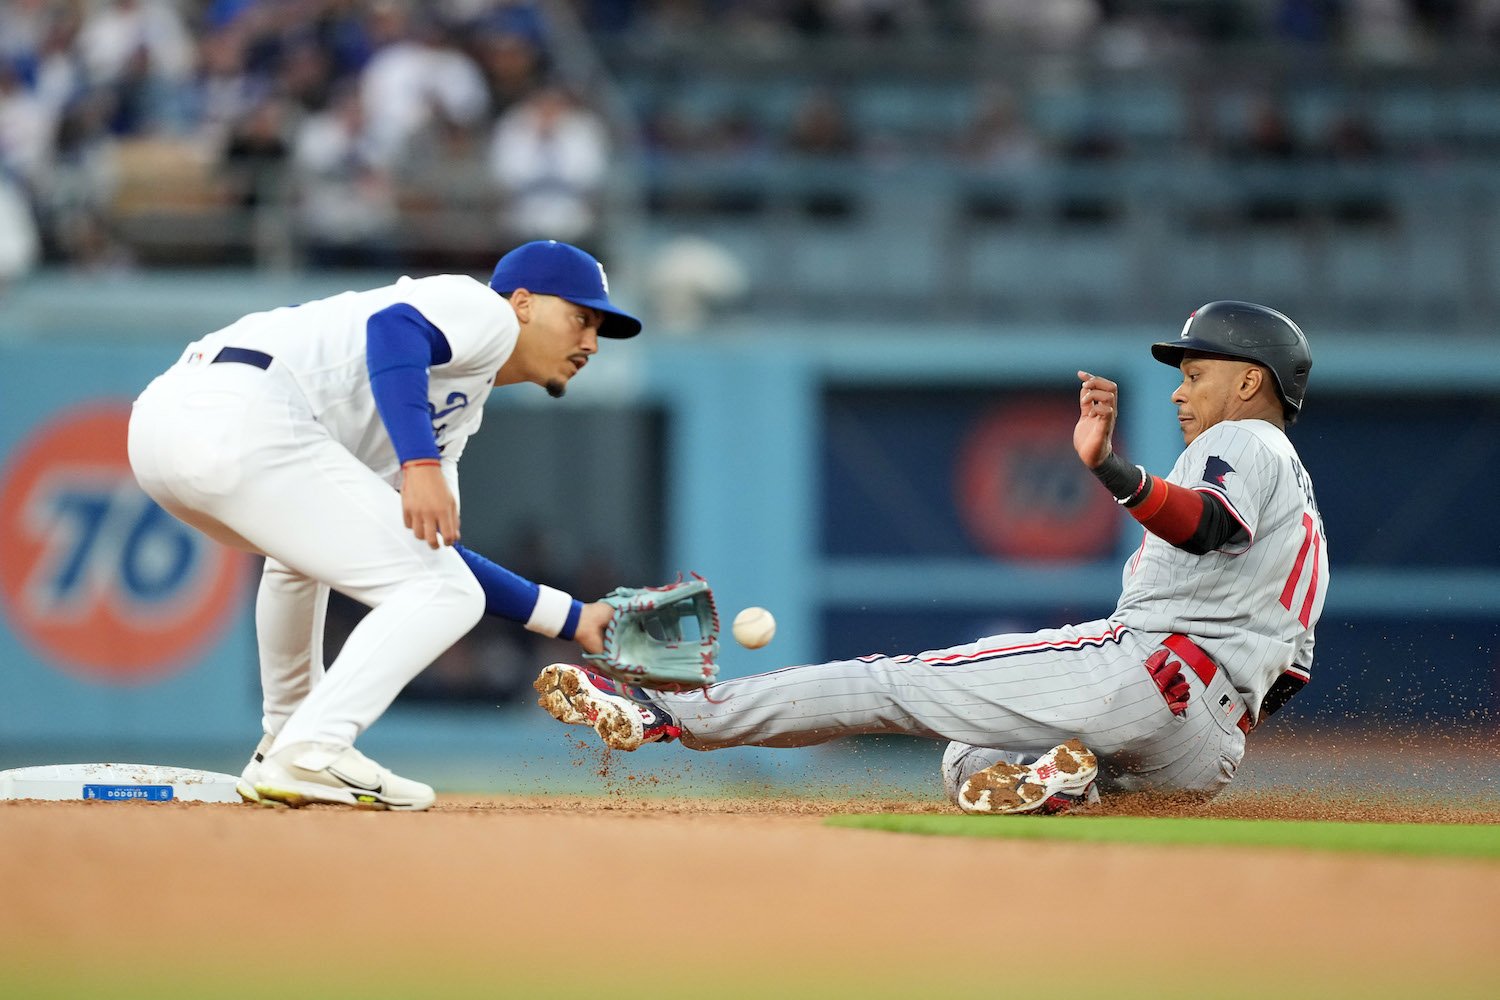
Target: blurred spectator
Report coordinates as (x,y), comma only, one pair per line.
(738,133)
(669,130)
(256,153)
(305,74)
(876,18)
(59,76)
(123,39)
(80,189)
(1352,140)
(23,26)
(513,67)
(997,140)
(998,135)
(1269,138)
(225,91)
(1315,22)
(549,157)
(1269,134)
(1093,141)
(821,127)
(1441,18)
(1057,25)
(414,78)
(1380,30)
(26,126)
(20,243)
(347,201)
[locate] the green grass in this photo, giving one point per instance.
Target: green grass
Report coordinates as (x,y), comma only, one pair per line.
(166,977)
(1430,840)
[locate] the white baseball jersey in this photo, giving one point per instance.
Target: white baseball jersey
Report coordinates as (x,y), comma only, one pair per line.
(322,345)
(1253,604)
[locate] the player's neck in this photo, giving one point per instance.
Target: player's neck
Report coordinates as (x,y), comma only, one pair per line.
(512,372)
(1258,408)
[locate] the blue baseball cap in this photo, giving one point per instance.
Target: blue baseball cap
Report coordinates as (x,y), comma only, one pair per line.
(548,267)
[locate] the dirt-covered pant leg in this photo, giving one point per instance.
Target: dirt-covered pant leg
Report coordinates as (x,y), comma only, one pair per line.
(1198,755)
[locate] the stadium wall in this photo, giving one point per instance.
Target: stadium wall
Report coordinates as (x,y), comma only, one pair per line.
(879,489)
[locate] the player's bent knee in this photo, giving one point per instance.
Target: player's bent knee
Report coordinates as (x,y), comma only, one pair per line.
(466,597)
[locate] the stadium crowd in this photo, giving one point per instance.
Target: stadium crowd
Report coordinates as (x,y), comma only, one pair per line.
(344,97)
(328,105)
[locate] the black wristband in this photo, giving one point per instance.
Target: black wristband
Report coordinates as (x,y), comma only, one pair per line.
(1125,482)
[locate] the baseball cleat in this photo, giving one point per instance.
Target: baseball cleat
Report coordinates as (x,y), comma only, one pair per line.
(582,697)
(1059,780)
(324,773)
(246,785)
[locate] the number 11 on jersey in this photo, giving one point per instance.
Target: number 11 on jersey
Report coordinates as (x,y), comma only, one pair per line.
(1313,540)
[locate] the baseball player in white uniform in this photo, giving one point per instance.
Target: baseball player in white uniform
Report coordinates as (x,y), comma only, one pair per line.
(1212,633)
(326,437)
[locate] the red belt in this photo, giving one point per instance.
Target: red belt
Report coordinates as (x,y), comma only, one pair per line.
(1203,665)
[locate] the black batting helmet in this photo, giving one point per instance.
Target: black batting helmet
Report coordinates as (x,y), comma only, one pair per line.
(1249,332)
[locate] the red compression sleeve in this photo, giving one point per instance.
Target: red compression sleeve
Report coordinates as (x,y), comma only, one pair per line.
(1168,511)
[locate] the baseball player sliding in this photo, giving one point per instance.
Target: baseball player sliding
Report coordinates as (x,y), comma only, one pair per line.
(284,434)
(1213,631)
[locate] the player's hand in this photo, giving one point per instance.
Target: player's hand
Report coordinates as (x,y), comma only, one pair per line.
(1098,406)
(427,505)
(591,625)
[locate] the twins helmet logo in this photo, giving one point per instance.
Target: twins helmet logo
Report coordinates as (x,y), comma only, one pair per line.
(1216,470)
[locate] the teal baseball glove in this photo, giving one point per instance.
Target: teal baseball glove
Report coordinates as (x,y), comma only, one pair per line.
(665,638)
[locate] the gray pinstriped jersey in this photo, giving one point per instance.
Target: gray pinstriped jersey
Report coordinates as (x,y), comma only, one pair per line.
(1252,605)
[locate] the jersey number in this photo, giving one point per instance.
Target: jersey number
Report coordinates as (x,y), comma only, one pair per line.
(1314,541)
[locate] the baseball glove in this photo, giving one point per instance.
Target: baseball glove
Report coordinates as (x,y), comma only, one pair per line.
(646,643)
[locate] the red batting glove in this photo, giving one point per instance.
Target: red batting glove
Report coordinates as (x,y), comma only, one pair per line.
(1167,673)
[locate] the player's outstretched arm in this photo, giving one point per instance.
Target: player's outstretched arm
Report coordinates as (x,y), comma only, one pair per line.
(542,609)
(1191,521)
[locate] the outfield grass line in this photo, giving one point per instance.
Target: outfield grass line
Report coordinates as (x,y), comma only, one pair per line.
(1418,839)
(837,979)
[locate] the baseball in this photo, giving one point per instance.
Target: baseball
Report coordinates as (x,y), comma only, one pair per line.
(754,627)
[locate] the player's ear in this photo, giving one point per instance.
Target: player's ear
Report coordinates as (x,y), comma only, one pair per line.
(1252,377)
(521,300)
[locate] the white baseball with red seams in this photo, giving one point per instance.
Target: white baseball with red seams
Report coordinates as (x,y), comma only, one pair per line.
(754,627)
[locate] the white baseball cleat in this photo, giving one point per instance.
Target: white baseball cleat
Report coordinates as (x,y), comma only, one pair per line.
(582,697)
(1059,780)
(246,785)
(325,773)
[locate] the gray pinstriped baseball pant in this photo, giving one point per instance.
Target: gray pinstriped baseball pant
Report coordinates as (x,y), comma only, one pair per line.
(1018,694)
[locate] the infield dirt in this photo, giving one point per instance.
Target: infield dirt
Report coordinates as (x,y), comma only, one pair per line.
(633,896)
